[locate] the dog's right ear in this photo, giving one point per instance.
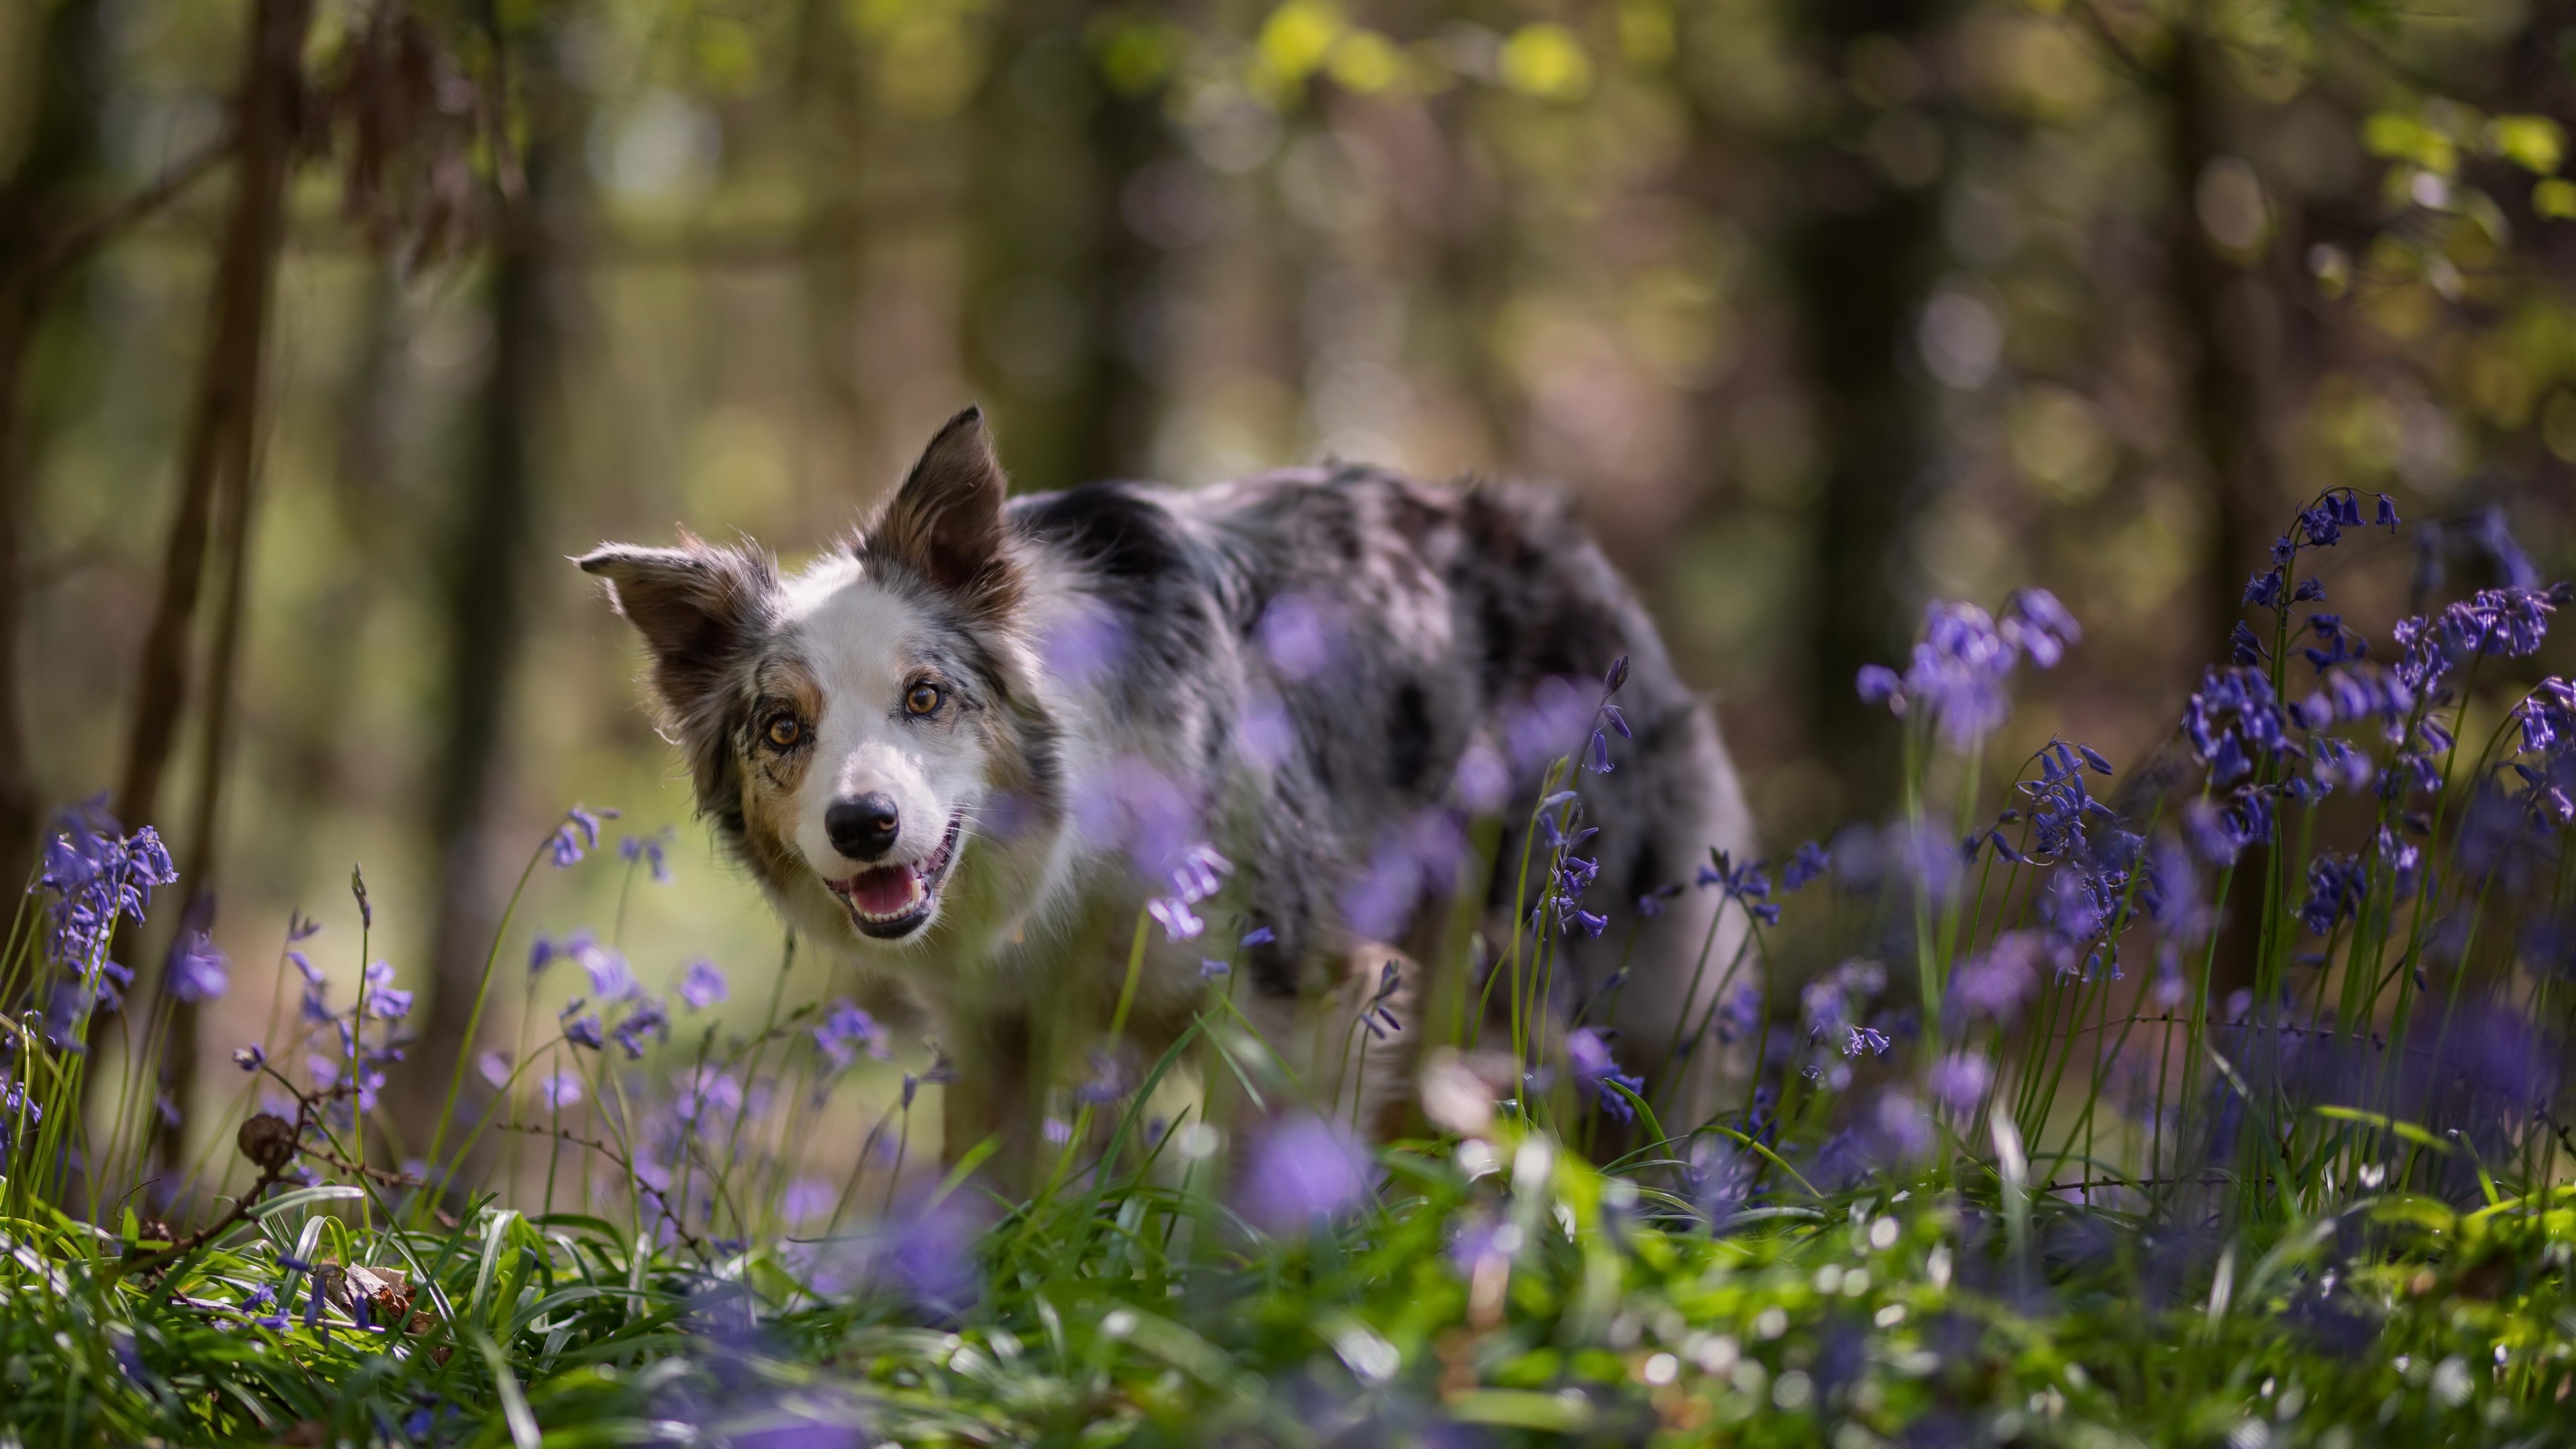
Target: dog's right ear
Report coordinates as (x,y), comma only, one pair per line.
(699,608)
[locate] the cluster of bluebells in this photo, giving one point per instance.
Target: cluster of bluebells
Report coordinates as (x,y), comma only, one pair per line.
(94,875)
(1568,875)
(1965,659)
(352,1047)
(616,1010)
(2060,806)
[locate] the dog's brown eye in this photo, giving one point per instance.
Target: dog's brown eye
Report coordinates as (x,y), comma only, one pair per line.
(923,699)
(784,731)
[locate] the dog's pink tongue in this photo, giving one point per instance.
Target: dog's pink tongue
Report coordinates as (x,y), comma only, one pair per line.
(884,890)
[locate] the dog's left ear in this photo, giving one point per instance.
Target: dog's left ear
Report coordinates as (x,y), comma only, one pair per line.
(945,522)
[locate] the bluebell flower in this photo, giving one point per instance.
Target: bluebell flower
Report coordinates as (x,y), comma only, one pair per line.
(2039,626)
(647,1019)
(250,1058)
(2335,889)
(1865,1039)
(2233,720)
(2492,535)
(2547,717)
(384,1001)
(1828,1003)
(1258,936)
(702,985)
(611,979)
(649,849)
(1741,1015)
(1305,1170)
(1805,865)
(1878,684)
(2221,829)
(588,822)
(1994,983)
(1597,1073)
(1211,968)
(845,1031)
(1108,1081)
(585,1032)
(1599,761)
(197,968)
(1176,918)
(1376,1014)
(1747,885)
(563,1089)
(1959,1081)
(304,966)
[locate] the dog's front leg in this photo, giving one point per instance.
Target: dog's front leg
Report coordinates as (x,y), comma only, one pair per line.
(990,1098)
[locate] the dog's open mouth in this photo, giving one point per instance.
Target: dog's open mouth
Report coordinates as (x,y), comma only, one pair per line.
(890,902)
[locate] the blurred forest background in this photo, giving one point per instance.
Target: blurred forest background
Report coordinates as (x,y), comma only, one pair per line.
(329,327)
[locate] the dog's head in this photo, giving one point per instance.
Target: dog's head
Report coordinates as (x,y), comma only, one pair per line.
(855,729)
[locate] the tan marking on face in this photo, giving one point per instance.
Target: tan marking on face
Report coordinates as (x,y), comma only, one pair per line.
(770,775)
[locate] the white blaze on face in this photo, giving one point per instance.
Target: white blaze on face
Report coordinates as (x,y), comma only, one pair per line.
(866,648)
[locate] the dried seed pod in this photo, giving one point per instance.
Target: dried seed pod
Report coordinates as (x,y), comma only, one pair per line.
(268,1140)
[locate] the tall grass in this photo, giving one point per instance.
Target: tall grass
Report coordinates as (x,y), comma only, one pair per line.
(2219,1100)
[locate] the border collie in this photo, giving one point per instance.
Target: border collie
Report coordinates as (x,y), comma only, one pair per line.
(971,747)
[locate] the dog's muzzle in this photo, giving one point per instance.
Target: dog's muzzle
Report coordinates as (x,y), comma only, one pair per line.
(890,902)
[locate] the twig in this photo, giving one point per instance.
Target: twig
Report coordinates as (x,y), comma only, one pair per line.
(73,243)
(624,1164)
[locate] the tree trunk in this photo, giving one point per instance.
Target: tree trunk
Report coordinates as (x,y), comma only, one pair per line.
(1861,261)
(220,435)
(218,453)
(2218,305)
(62,147)
(1058,267)
(485,584)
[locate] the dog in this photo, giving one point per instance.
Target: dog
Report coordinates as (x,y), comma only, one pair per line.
(990,748)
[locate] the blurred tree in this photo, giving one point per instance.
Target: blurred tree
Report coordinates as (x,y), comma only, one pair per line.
(216,471)
(1861,257)
(1068,315)
(488,555)
(59,147)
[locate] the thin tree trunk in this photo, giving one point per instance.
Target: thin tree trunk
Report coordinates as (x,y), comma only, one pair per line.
(219,450)
(1861,262)
(1117,401)
(2225,383)
(62,146)
(226,399)
(235,512)
(1049,213)
(485,582)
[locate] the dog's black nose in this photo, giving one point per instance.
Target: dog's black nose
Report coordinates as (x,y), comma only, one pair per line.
(862,829)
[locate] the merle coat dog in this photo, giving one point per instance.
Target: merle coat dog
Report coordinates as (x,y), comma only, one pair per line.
(968,747)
